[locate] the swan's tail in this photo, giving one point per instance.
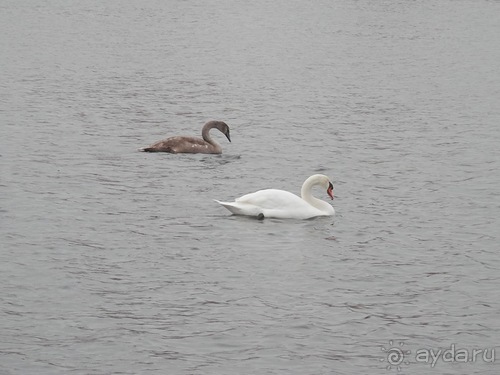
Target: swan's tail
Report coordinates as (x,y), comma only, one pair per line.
(240,209)
(230,206)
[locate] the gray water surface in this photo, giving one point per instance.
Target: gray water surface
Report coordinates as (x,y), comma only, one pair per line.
(115,261)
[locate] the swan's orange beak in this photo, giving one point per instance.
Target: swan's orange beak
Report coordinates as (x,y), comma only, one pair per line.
(330,190)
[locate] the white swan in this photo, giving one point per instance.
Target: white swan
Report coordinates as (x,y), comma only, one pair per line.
(283,204)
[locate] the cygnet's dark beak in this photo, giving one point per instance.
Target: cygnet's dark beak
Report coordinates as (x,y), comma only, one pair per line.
(227,136)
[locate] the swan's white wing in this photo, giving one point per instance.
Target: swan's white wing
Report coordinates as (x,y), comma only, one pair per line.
(271,199)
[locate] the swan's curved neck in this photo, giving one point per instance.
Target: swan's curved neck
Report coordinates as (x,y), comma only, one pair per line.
(205,134)
(306,193)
